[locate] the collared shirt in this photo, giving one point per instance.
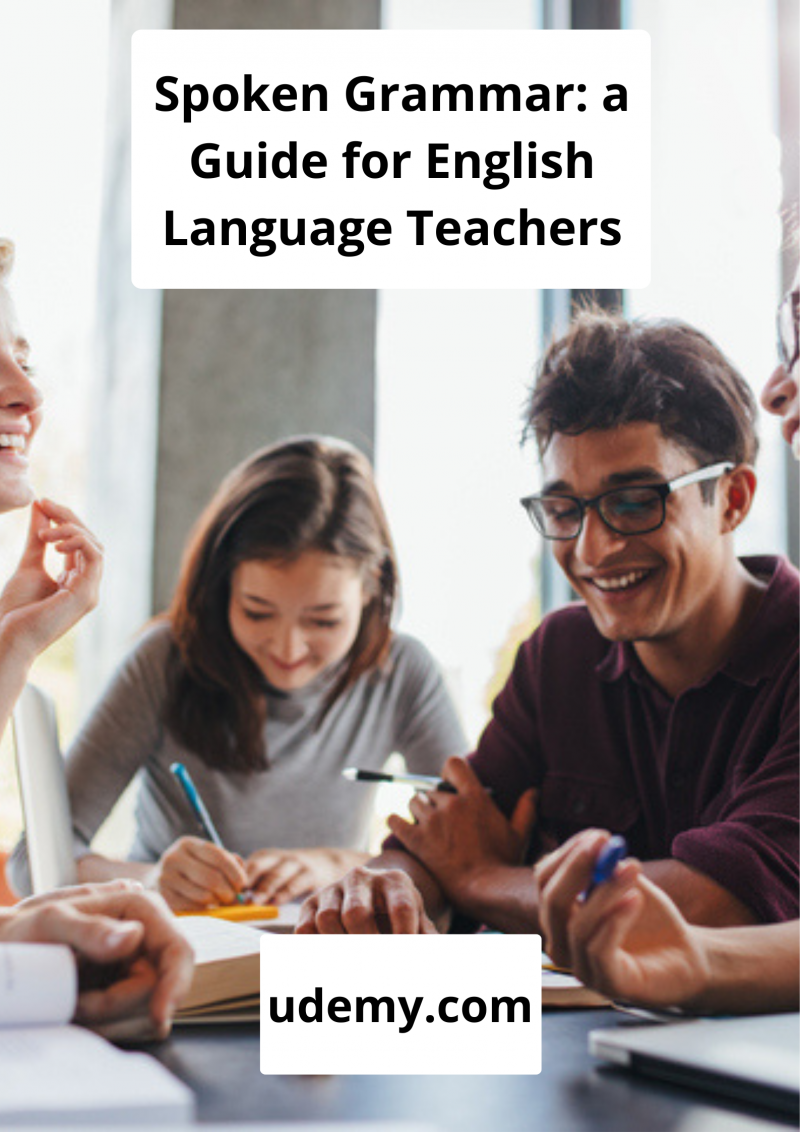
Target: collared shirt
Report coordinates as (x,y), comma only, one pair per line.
(709,778)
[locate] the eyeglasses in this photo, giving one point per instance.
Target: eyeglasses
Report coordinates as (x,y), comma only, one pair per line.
(789,330)
(624,510)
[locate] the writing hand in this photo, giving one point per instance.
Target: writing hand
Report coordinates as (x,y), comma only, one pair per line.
(194,873)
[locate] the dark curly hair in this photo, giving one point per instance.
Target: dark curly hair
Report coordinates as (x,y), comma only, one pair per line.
(606,372)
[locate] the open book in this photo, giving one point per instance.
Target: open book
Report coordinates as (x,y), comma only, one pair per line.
(54,1072)
(225,987)
(560,989)
(226,980)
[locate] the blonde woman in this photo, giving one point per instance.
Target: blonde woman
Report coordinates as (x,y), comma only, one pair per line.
(103,924)
(35,609)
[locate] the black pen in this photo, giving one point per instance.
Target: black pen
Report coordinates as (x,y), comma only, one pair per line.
(421,781)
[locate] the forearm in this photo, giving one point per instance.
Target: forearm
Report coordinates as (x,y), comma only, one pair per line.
(345,859)
(752,970)
(701,900)
(502,896)
(94,868)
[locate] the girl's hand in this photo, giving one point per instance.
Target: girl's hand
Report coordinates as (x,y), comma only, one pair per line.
(198,874)
(276,876)
(36,609)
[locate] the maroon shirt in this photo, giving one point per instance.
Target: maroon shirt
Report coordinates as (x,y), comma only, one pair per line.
(709,778)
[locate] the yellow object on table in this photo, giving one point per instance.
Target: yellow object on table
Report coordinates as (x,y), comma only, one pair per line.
(237,912)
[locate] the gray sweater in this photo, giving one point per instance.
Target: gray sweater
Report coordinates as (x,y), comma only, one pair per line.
(300,800)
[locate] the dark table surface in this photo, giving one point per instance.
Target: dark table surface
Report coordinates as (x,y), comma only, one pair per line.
(221,1066)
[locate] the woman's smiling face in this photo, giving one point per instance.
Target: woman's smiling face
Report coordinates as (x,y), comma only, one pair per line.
(296,619)
(20,410)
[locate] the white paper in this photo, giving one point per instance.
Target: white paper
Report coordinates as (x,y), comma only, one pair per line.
(38,984)
(213,939)
(64,1073)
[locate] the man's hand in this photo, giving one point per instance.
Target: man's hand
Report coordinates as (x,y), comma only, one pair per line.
(133,962)
(627,939)
(275,876)
(36,609)
(366,902)
(461,837)
(194,873)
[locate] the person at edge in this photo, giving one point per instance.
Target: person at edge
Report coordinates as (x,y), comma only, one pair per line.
(274,668)
(629,940)
(664,705)
(125,931)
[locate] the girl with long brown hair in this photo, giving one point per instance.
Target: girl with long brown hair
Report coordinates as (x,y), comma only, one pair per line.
(274,668)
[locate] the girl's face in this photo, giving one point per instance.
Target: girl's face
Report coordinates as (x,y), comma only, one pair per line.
(296,619)
(20,410)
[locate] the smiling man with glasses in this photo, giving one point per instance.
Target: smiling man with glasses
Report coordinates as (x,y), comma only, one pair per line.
(662,706)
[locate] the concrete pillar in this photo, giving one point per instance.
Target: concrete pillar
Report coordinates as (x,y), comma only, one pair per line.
(124,424)
(192,381)
(244,368)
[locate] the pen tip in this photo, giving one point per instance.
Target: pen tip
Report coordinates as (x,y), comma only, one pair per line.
(350,772)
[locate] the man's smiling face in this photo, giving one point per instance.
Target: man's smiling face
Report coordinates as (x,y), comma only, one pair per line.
(637,587)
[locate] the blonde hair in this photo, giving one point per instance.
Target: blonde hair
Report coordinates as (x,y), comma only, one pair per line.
(6,258)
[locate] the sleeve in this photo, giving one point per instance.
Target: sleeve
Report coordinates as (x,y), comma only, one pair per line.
(428,728)
(752,848)
(507,756)
(124,728)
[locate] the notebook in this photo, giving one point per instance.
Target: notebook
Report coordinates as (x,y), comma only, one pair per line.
(755,1059)
(88,1081)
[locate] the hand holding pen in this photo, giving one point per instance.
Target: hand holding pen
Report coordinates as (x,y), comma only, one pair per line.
(620,934)
(571,878)
(196,872)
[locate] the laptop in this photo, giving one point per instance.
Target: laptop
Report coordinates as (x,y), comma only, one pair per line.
(43,787)
(754,1059)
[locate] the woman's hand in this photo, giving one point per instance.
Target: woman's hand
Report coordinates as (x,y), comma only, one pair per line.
(36,609)
(276,876)
(134,965)
(198,874)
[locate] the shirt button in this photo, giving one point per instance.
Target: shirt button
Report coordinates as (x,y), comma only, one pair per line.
(579,807)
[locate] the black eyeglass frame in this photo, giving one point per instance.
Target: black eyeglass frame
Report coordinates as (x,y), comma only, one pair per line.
(789,315)
(663,490)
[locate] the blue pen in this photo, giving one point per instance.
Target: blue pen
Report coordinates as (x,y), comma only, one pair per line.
(199,809)
(614,851)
